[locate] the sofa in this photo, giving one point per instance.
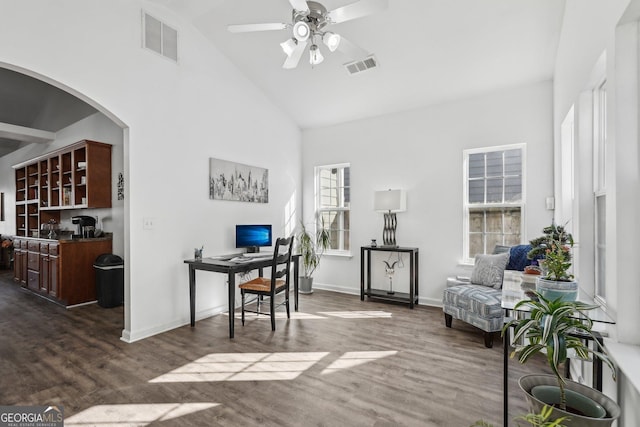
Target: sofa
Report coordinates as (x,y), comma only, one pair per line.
(477,300)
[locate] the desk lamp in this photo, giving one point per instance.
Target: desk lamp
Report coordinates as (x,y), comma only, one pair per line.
(390,202)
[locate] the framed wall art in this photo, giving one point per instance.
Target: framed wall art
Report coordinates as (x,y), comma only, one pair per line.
(237,181)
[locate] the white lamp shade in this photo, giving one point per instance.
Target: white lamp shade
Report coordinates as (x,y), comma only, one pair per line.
(315,56)
(390,200)
(331,40)
(289,46)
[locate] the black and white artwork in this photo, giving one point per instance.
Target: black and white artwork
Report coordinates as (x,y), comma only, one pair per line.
(235,181)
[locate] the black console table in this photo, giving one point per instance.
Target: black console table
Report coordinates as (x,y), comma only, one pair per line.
(365,275)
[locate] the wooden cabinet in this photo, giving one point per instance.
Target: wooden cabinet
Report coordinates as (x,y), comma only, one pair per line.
(59,270)
(33,265)
(53,270)
(20,261)
(75,177)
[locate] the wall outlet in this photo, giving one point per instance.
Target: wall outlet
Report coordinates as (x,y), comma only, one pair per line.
(148,223)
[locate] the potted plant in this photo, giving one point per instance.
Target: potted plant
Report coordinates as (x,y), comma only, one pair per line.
(554,328)
(543,418)
(312,247)
(553,252)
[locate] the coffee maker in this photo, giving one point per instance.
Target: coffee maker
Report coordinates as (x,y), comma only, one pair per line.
(86,226)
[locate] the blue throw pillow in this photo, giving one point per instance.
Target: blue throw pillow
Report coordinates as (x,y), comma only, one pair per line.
(518,257)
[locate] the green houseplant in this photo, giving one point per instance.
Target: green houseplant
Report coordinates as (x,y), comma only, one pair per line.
(553,252)
(554,328)
(543,418)
(312,246)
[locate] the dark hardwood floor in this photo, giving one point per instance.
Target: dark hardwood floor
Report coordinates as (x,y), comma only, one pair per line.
(338,362)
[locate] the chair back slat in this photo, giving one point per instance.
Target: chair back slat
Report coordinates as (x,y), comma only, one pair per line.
(280,266)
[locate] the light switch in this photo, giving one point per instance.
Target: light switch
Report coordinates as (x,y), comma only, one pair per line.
(550,203)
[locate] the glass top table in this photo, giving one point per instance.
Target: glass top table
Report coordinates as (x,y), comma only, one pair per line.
(517,287)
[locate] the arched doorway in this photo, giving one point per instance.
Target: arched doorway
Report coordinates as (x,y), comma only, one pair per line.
(39,115)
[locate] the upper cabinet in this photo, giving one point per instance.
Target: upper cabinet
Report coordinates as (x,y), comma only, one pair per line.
(75,177)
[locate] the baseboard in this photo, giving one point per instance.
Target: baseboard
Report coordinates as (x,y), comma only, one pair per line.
(133,336)
(432,302)
(335,288)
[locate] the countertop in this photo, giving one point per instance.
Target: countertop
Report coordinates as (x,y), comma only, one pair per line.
(68,239)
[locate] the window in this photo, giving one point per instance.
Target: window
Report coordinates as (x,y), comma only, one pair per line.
(493,198)
(333,203)
(599,185)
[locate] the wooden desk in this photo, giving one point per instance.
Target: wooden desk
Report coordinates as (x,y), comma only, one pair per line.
(231,269)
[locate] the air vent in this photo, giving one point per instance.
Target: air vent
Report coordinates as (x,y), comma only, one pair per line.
(356,67)
(159,37)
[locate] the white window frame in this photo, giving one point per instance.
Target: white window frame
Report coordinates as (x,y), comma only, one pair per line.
(599,183)
(467,206)
(344,241)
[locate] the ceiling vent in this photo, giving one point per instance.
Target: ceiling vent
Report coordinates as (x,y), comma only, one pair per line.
(356,67)
(159,37)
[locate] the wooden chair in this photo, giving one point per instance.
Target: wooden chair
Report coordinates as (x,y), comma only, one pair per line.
(271,286)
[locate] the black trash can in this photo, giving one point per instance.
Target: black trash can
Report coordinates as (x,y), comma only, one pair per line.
(109,280)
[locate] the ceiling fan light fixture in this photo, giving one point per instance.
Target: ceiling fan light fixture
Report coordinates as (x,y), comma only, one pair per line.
(331,40)
(288,46)
(301,31)
(315,56)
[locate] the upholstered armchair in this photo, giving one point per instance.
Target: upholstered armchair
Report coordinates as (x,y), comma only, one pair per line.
(477,300)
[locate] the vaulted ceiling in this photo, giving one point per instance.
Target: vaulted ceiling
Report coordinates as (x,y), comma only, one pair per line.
(428,51)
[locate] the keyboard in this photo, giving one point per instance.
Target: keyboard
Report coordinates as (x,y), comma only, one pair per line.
(258,255)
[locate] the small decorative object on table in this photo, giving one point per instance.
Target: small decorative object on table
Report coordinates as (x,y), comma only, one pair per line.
(374,244)
(390,270)
(198,253)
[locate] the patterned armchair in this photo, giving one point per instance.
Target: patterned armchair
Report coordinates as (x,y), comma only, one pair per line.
(477,300)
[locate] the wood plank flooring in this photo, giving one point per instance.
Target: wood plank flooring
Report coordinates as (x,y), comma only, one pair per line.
(338,362)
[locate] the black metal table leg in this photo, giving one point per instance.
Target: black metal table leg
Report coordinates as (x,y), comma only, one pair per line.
(192,295)
(232,302)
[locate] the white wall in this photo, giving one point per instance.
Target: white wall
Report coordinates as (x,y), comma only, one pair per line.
(590,28)
(175,118)
(422,151)
(96,127)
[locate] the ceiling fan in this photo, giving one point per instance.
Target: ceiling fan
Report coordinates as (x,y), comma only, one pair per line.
(308,26)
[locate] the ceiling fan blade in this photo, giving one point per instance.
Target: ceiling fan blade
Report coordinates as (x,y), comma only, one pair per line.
(353,51)
(293,59)
(357,10)
(300,6)
(246,28)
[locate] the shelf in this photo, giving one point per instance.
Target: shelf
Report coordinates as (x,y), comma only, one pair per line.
(61,180)
(397,296)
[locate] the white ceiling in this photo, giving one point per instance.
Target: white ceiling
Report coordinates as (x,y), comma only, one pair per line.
(429,52)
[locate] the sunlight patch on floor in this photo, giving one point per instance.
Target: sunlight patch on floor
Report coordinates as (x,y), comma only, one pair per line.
(243,367)
(354,358)
(134,415)
(357,314)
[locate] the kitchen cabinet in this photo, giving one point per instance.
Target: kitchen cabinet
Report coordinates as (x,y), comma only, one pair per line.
(74,177)
(33,265)
(49,269)
(20,261)
(60,270)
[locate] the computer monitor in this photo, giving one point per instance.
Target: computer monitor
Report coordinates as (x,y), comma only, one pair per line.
(253,236)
